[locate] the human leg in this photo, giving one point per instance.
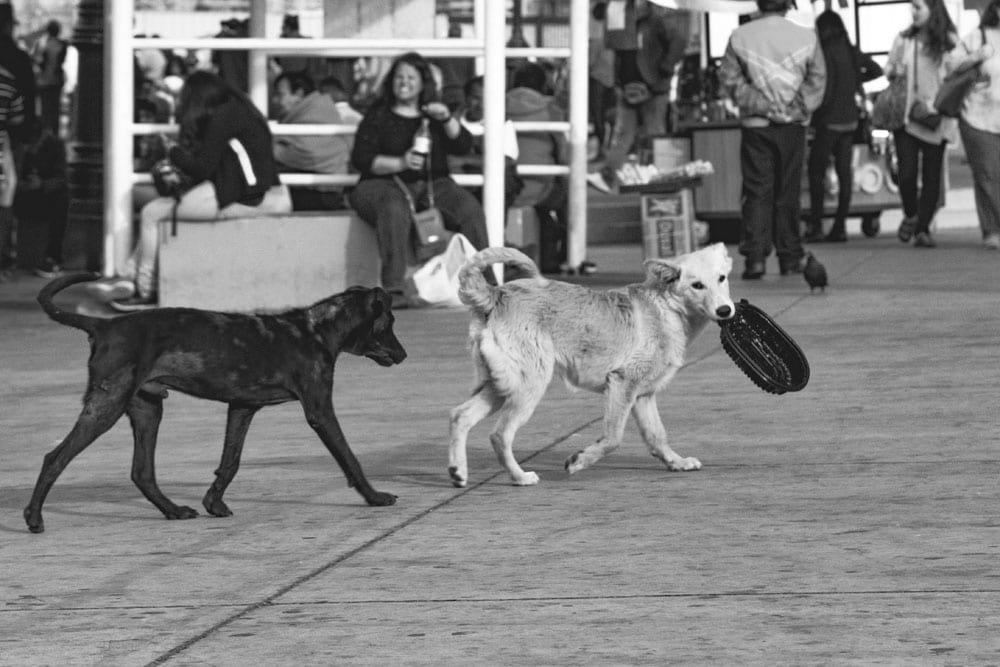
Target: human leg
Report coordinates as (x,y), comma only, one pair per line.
(758,164)
(790,143)
(908,158)
(931,162)
(819,157)
(843,151)
(381,204)
(983,151)
(622,133)
(462,212)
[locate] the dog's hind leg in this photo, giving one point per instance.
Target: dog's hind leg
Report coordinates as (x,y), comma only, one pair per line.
(483,403)
(618,398)
(145,411)
(102,407)
(647,416)
(237,425)
(514,413)
(320,415)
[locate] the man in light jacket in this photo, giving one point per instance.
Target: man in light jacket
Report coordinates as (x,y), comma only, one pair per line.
(775,73)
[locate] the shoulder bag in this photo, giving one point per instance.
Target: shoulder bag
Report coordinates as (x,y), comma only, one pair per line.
(956,86)
(430,237)
(889,109)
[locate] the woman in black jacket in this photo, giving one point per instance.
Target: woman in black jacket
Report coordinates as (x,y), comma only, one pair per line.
(834,123)
(225,148)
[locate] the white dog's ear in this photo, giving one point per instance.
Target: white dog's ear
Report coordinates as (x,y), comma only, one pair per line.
(661,272)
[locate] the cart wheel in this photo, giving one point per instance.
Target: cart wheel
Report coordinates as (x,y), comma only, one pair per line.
(870,225)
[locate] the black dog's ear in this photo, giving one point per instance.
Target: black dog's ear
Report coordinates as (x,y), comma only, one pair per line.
(661,272)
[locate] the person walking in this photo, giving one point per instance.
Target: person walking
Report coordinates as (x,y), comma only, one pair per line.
(918,54)
(835,122)
(979,123)
(774,71)
(51,79)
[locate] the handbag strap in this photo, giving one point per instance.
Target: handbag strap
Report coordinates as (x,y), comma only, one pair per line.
(406,190)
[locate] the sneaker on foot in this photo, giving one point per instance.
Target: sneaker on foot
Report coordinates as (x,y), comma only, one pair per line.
(992,242)
(596,179)
(48,269)
(133,303)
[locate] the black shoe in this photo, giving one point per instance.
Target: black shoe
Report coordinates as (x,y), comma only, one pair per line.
(753,271)
(835,236)
(48,269)
(790,268)
(134,303)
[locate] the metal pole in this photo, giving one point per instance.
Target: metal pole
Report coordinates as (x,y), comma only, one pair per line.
(579,22)
(494,85)
(257,64)
(118,104)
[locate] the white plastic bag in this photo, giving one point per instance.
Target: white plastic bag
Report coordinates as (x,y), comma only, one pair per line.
(435,282)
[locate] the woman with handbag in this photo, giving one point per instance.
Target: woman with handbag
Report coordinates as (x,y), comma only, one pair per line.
(398,175)
(919,55)
(979,122)
(225,151)
(836,122)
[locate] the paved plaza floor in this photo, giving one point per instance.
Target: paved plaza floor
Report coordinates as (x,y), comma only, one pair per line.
(854,522)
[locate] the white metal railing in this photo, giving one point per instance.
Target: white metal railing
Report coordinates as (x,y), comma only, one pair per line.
(119,128)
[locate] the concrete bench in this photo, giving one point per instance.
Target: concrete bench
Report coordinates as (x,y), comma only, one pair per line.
(268,263)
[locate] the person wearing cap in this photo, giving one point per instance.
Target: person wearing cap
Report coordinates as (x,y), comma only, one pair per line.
(774,71)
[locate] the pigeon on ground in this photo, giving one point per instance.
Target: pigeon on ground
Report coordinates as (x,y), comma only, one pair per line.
(815,273)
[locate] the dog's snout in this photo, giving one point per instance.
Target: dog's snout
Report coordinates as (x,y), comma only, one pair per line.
(724,312)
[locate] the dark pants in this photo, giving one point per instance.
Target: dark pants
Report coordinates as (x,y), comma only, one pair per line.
(381,203)
(771,159)
(51,103)
(552,229)
(916,156)
(841,145)
(51,209)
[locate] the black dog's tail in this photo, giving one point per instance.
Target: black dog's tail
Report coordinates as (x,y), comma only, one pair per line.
(85,322)
(475,292)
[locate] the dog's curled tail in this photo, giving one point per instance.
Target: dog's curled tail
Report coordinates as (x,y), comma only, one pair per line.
(77,320)
(480,295)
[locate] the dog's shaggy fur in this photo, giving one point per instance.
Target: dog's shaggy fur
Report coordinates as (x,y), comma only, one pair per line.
(625,344)
(247,361)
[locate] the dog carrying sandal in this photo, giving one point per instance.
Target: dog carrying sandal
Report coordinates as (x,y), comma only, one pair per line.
(763,351)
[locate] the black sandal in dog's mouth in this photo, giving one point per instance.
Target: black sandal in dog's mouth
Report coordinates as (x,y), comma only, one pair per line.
(763,350)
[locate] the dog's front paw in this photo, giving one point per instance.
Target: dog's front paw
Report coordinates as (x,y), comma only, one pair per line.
(458,479)
(34,520)
(181,512)
(526,479)
(379,499)
(576,462)
(684,464)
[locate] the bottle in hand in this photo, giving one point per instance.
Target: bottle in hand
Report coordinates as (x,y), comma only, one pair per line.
(422,139)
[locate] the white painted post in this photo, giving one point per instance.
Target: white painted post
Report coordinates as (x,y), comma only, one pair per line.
(118,106)
(579,22)
(257,64)
(494,85)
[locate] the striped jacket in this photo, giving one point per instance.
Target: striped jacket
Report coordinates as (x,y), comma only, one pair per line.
(774,71)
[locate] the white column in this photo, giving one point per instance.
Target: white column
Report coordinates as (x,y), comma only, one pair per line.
(494,84)
(579,21)
(257,65)
(118,106)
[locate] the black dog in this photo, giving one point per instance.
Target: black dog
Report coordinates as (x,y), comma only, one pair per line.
(247,361)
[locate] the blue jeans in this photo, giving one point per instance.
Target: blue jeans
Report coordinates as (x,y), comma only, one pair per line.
(771,159)
(381,204)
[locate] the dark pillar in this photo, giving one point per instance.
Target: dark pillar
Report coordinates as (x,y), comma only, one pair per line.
(85,233)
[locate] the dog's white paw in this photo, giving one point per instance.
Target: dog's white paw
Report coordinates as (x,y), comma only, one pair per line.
(684,464)
(458,478)
(576,462)
(526,479)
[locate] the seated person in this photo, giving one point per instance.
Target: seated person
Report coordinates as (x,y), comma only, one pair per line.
(471,117)
(527,101)
(225,150)
(384,155)
(298,101)
(333,87)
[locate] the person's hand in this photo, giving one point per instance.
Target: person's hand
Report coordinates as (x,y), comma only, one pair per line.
(438,111)
(414,161)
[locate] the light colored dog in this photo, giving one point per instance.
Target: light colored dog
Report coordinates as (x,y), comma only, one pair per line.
(626,344)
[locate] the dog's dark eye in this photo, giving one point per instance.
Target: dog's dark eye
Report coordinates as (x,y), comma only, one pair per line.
(698,284)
